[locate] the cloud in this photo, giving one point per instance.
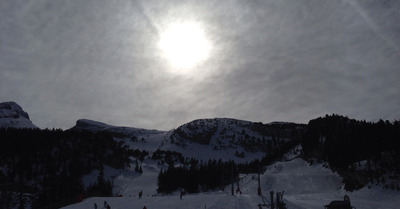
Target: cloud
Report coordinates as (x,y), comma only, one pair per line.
(271,60)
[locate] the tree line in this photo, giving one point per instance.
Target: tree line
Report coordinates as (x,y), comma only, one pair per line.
(193,176)
(49,165)
(361,151)
(197,177)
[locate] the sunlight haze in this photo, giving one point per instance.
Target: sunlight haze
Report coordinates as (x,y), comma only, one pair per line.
(159,64)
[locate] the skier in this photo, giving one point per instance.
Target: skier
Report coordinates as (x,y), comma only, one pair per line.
(105,204)
(95,206)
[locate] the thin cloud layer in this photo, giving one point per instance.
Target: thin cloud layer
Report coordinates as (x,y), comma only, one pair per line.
(270,60)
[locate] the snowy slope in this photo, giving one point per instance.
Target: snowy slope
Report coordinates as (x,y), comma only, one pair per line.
(203,139)
(13,116)
(136,138)
(312,186)
(151,140)
(301,178)
(305,187)
(220,133)
(225,138)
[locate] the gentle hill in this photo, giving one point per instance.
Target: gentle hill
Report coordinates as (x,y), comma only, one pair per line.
(121,131)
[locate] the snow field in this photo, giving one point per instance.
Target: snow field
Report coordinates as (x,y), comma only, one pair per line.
(305,187)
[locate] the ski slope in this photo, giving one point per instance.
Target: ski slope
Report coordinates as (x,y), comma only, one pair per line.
(305,187)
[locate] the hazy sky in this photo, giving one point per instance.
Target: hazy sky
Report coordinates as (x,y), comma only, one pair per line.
(267,60)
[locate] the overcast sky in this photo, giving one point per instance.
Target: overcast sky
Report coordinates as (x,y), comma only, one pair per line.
(269,60)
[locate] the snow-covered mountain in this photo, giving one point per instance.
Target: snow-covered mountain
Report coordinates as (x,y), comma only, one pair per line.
(228,139)
(222,133)
(305,185)
(213,134)
(214,138)
(13,116)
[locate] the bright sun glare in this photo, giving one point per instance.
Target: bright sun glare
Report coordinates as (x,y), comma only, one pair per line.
(184,45)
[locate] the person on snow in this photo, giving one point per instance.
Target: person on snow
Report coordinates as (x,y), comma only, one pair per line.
(182,193)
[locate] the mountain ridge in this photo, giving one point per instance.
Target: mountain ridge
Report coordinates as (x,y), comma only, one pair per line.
(92,148)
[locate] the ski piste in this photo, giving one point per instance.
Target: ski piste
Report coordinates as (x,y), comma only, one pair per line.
(305,187)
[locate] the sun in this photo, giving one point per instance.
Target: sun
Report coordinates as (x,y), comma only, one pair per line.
(184,45)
